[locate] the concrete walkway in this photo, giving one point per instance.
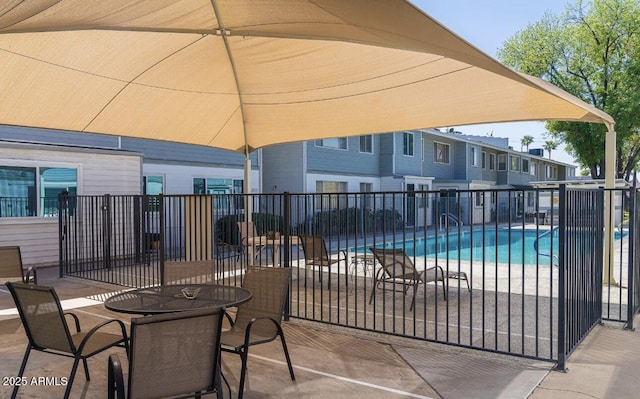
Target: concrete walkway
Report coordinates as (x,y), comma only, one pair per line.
(332,362)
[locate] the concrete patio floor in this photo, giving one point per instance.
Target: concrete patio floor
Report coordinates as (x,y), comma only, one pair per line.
(333,362)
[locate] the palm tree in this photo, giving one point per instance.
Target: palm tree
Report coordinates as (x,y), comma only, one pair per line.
(525,141)
(550,145)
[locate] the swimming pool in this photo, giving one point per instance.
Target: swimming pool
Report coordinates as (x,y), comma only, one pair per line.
(492,245)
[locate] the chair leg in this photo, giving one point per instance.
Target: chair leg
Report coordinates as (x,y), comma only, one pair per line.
(74,368)
(286,353)
(86,369)
(243,371)
(373,291)
(413,297)
(21,372)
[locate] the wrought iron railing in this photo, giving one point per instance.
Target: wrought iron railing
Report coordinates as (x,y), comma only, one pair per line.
(525,281)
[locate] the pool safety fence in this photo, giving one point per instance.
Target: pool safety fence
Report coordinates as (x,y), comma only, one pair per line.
(524,271)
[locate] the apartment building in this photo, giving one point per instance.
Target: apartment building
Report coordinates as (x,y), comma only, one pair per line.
(37,164)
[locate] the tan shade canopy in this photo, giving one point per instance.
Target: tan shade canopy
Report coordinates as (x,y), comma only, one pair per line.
(244,74)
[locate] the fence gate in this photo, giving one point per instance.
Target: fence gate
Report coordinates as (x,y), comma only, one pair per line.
(580,267)
(109,238)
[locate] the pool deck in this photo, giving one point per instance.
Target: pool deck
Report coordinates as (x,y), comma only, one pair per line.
(332,362)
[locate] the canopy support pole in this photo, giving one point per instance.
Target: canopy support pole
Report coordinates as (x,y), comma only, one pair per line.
(609,203)
(248,204)
(222,31)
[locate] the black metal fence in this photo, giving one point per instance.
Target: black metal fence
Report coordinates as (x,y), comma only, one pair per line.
(532,259)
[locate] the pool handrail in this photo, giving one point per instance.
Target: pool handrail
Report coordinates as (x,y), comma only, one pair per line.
(544,234)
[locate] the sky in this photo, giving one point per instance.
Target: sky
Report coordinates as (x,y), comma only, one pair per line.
(486,24)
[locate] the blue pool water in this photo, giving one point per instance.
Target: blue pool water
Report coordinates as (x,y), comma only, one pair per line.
(501,245)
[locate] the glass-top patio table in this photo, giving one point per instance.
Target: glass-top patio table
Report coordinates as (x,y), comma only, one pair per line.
(169,298)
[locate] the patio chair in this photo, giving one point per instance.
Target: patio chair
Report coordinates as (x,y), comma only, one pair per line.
(316,254)
(258,320)
(47,330)
(173,354)
(397,268)
(250,239)
(11,268)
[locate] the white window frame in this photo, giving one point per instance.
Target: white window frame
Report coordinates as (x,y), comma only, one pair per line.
(475,159)
(38,166)
(335,143)
(408,149)
(502,162)
(514,163)
(367,141)
(447,153)
(479,199)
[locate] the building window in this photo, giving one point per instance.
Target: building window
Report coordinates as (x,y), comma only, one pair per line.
(475,157)
(515,163)
(407,144)
(153,185)
(552,172)
(484,160)
(525,165)
(330,197)
(338,143)
(203,186)
(532,171)
(366,144)
(492,161)
(331,186)
(423,196)
(502,161)
(441,152)
(479,199)
(33,191)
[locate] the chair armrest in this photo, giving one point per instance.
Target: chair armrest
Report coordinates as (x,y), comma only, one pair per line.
(247,335)
(75,319)
(115,379)
(229,317)
(439,274)
(99,326)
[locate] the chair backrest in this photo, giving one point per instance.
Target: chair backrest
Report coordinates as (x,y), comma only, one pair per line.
(315,250)
(42,317)
(187,272)
(269,287)
(395,262)
(11,264)
(174,353)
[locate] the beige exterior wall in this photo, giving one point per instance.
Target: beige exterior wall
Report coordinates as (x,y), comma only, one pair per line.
(99,172)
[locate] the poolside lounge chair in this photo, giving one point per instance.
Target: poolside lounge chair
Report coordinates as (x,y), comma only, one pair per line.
(250,239)
(316,254)
(48,331)
(173,354)
(258,321)
(11,268)
(398,269)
